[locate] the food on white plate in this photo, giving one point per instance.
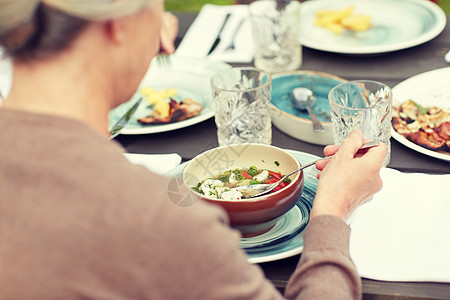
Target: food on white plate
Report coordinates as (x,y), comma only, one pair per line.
(338,20)
(166,109)
(427,126)
(225,185)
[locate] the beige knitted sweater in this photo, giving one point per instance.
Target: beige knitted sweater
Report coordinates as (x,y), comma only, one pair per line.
(78,221)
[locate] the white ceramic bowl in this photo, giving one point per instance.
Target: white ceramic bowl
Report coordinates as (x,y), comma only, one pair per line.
(297,123)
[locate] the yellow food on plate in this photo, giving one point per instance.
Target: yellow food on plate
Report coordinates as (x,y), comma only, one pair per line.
(153,96)
(166,108)
(162,109)
(356,22)
(338,20)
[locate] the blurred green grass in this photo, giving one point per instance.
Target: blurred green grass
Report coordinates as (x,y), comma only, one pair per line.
(445,4)
(196,5)
(192,5)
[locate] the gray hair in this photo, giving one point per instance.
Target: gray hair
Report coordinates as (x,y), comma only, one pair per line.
(23,23)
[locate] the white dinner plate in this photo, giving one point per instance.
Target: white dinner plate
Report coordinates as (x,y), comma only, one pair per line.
(189,76)
(431,88)
(396,25)
(286,239)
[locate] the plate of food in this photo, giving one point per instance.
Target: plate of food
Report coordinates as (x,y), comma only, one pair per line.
(369,27)
(285,239)
(421,113)
(175,95)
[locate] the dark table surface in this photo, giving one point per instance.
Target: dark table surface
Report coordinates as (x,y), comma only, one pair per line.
(389,68)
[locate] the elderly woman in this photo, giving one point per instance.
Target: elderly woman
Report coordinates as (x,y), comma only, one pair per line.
(77,221)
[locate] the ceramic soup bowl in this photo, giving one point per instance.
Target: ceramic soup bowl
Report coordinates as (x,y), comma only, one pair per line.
(251,216)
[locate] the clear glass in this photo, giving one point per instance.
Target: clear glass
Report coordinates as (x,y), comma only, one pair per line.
(276,32)
(364,105)
(241,101)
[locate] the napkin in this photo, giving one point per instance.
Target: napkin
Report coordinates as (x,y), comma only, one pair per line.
(157,163)
(403,234)
(6,70)
(202,33)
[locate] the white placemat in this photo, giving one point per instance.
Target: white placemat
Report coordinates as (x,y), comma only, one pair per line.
(202,33)
(158,163)
(403,234)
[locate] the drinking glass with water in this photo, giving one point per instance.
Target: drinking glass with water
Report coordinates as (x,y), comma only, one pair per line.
(365,105)
(241,101)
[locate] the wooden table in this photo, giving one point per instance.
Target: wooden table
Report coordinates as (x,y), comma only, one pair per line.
(389,68)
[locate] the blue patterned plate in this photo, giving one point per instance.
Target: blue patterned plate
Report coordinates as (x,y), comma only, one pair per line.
(289,245)
(293,222)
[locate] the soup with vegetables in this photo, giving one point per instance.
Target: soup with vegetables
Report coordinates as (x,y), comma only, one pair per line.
(226,185)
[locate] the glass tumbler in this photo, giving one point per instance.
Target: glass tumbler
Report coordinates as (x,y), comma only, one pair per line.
(276,32)
(365,105)
(241,100)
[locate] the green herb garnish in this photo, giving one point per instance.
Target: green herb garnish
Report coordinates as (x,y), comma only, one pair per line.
(422,110)
(224,178)
(277,163)
(253,171)
(238,177)
(197,188)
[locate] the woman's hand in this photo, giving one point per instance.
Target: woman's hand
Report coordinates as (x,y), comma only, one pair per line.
(169,31)
(348,179)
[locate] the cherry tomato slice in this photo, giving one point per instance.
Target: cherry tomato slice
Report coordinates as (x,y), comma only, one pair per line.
(275,175)
(271,180)
(246,175)
(280,186)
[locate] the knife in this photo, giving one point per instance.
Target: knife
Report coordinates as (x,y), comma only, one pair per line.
(217,41)
(115,130)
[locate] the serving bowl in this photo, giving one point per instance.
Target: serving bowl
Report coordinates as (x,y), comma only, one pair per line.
(252,216)
(297,123)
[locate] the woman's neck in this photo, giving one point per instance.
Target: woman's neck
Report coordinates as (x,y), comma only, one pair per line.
(66,85)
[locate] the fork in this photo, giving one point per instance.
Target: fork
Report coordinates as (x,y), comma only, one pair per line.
(163,61)
(232,46)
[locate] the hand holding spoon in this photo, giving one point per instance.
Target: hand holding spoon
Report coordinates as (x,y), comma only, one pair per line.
(256,190)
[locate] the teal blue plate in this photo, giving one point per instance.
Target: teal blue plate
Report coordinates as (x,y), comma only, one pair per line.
(319,83)
(292,223)
(286,238)
(293,245)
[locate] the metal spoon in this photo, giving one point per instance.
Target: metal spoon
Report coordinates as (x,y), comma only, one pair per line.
(256,190)
(303,98)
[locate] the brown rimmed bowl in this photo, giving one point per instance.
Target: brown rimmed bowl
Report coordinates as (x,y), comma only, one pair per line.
(252,216)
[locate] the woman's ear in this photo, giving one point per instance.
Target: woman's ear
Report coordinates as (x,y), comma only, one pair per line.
(116,30)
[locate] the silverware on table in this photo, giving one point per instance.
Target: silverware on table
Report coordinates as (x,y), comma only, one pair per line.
(303,98)
(217,41)
(231,45)
(163,61)
(116,128)
(264,188)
